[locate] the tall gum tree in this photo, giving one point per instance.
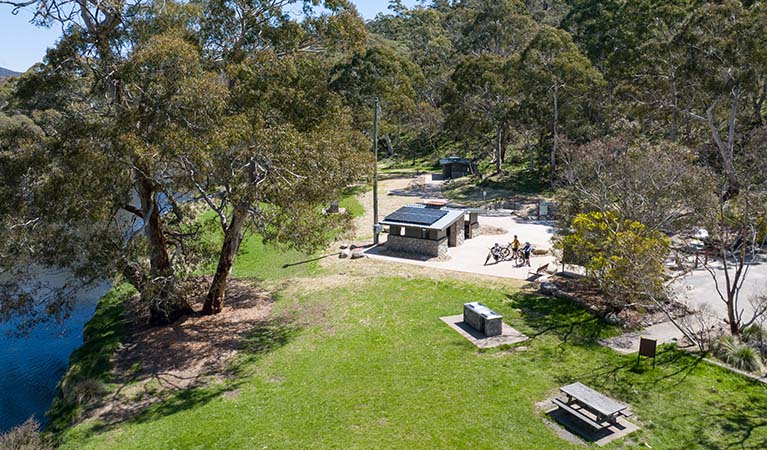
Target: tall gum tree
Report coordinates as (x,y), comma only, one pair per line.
(103,195)
(285,145)
(557,81)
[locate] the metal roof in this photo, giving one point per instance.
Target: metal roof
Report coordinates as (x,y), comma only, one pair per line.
(419,216)
(454,160)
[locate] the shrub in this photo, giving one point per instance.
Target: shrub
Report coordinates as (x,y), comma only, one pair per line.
(738,355)
(723,346)
(26,436)
(85,391)
(754,333)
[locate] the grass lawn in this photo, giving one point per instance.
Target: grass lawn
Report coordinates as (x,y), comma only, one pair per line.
(370,365)
(258,261)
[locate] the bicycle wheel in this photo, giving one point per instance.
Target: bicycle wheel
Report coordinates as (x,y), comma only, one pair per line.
(505,253)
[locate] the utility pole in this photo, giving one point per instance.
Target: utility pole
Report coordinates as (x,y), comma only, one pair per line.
(375,172)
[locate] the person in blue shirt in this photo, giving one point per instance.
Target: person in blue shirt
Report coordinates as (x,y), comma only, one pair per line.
(526,250)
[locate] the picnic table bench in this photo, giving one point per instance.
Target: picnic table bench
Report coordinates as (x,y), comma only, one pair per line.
(605,409)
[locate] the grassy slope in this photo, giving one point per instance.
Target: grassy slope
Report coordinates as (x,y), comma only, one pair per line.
(378,369)
(382,371)
(92,361)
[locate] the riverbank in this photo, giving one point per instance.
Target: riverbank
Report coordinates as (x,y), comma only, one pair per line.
(359,357)
(90,366)
(33,362)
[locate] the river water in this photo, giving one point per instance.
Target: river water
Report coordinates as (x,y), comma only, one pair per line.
(31,366)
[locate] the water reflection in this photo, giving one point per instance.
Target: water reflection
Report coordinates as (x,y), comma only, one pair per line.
(31,366)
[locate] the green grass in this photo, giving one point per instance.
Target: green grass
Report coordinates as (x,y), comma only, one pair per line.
(374,367)
(92,361)
(262,261)
(350,202)
(516,181)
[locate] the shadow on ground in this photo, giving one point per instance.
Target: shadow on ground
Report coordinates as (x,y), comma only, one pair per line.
(562,318)
(166,370)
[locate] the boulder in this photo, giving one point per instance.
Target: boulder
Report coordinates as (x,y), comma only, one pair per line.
(344,254)
(358,255)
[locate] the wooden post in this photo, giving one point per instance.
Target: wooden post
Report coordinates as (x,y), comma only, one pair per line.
(375,173)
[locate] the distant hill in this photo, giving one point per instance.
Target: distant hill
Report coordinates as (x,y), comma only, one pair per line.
(8,73)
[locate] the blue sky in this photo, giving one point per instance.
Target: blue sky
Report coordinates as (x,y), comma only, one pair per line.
(23,44)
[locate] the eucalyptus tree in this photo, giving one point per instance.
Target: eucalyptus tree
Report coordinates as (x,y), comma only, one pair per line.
(479,100)
(383,72)
(698,72)
(497,27)
(286,144)
(557,81)
(737,226)
(105,170)
(110,192)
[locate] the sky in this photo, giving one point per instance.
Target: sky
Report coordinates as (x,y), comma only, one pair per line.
(23,44)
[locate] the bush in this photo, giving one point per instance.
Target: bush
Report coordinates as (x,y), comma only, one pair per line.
(86,391)
(26,436)
(754,333)
(738,355)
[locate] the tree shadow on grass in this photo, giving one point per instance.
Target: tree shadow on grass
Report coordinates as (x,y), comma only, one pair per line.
(154,404)
(566,320)
(743,425)
(630,378)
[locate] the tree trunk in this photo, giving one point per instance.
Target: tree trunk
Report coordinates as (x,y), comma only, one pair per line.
(726,149)
(214,302)
(553,161)
(165,305)
(389,146)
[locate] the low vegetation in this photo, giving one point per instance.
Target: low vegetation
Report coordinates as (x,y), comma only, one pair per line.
(737,354)
(26,436)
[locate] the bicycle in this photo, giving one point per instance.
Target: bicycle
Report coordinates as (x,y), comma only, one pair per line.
(509,254)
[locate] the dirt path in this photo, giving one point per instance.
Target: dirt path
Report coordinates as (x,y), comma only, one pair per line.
(394,193)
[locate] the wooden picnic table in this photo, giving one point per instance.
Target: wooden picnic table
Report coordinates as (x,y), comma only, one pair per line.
(603,406)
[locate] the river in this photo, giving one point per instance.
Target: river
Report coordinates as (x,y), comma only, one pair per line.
(31,366)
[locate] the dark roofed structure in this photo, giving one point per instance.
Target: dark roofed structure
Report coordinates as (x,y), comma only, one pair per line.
(455,167)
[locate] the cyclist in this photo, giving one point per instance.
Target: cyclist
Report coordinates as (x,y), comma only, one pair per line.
(526,250)
(515,247)
(495,253)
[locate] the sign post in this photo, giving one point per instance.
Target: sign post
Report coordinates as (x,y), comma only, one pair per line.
(647,348)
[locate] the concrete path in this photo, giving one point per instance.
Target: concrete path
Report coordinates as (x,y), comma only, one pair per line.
(627,343)
(698,289)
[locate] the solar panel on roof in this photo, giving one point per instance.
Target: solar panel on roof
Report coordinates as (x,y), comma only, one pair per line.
(417,216)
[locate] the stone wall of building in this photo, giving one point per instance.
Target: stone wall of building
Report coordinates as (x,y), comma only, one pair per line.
(460,232)
(417,246)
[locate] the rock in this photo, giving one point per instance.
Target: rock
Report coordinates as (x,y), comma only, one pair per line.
(612,319)
(343,246)
(549,288)
(344,254)
(358,255)
(540,252)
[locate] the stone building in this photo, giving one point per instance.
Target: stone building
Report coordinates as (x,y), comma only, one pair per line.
(425,230)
